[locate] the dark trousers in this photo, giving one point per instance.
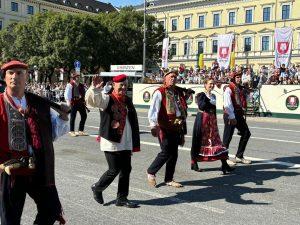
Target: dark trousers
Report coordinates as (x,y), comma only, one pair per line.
(118,163)
(169,154)
(244,132)
(82,110)
(12,199)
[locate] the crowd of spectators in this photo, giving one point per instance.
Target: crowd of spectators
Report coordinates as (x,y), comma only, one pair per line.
(54,91)
(250,77)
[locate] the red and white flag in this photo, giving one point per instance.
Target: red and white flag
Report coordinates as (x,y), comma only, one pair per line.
(283,46)
(224,49)
(165,53)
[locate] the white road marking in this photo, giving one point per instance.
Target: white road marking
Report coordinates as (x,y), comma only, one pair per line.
(259,128)
(257,138)
(221,124)
(267,161)
(291,165)
(158,195)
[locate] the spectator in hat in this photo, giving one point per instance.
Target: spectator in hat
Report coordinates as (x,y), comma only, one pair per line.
(74,96)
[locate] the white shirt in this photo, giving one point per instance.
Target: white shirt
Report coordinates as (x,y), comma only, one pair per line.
(68,93)
(96,98)
(228,106)
(59,126)
(212,98)
(155,107)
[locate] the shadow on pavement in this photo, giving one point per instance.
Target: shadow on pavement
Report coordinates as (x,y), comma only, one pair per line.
(231,187)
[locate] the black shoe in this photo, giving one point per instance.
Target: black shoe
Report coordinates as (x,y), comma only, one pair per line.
(126,203)
(194,166)
(227,169)
(97,195)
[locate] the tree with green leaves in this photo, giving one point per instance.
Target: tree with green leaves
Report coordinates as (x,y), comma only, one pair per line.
(55,40)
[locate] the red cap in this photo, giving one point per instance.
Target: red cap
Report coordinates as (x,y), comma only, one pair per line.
(14,64)
(75,75)
(235,74)
(172,71)
(119,78)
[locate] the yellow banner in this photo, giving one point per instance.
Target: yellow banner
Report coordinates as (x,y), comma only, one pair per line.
(232,60)
(201,61)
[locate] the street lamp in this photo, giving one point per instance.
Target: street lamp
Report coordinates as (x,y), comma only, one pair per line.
(144,41)
(146,4)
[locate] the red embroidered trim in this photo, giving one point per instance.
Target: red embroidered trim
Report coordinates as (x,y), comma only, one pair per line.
(31,122)
(119,107)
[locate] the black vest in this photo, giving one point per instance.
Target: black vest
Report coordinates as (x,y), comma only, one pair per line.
(111,134)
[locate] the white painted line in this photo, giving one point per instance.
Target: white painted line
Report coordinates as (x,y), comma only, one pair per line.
(221,124)
(291,165)
(257,138)
(267,161)
(158,195)
(271,139)
(259,128)
(266,128)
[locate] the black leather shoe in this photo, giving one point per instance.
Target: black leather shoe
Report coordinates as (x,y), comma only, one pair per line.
(194,166)
(227,169)
(126,203)
(97,195)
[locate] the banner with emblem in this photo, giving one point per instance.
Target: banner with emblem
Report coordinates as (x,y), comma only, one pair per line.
(283,46)
(224,49)
(165,53)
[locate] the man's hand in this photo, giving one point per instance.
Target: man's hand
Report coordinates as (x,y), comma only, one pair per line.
(64,111)
(97,82)
(154,131)
(232,122)
(68,103)
(65,108)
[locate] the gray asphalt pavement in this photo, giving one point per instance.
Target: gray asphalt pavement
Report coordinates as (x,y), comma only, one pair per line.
(266,192)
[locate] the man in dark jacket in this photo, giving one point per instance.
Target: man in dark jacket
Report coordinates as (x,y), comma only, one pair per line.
(119,132)
(26,150)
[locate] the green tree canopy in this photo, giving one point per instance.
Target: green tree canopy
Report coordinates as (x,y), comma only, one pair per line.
(53,40)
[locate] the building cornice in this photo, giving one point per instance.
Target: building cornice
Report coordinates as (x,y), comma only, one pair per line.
(64,7)
(188,5)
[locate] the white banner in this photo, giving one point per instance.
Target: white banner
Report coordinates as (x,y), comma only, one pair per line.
(132,68)
(283,45)
(224,49)
(165,53)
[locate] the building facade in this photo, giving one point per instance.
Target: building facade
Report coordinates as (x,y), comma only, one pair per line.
(193,27)
(12,11)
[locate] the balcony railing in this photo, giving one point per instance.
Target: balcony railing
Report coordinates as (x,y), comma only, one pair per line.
(238,55)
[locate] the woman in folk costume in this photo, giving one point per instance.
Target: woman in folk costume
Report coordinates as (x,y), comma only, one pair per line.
(206,142)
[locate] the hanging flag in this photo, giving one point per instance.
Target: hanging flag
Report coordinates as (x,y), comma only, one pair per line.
(201,61)
(165,53)
(283,46)
(232,60)
(224,50)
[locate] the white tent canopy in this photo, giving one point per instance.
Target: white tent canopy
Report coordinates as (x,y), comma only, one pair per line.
(112,74)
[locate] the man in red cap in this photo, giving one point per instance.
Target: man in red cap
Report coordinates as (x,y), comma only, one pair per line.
(119,132)
(234,107)
(74,96)
(28,128)
(167,117)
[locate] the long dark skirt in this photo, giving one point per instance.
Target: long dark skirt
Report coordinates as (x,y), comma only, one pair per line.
(206,142)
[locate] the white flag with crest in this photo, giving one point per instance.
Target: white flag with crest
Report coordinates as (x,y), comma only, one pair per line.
(283,45)
(224,49)
(165,53)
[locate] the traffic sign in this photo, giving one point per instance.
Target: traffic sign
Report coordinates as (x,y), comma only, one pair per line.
(77,64)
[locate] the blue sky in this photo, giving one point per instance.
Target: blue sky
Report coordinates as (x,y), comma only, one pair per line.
(123,2)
